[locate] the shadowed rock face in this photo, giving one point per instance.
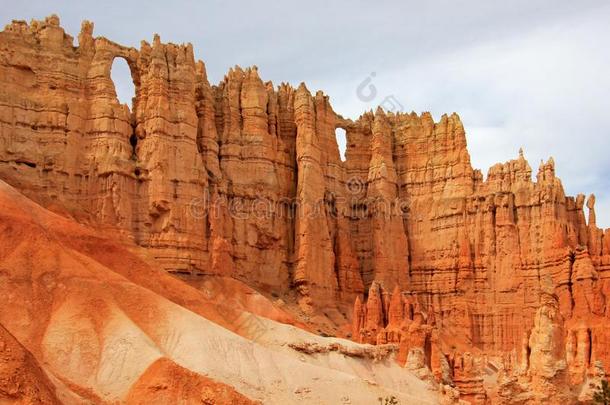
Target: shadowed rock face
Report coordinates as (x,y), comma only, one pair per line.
(244,179)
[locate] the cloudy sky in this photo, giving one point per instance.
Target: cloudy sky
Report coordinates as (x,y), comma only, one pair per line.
(525,73)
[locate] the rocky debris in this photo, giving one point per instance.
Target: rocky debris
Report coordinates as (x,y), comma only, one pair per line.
(376,353)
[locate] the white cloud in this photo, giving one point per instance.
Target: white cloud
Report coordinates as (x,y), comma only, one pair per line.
(524,73)
(545,90)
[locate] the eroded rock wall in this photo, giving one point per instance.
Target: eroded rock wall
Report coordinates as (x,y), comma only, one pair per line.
(245,179)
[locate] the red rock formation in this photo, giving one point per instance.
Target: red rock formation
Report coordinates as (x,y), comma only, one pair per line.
(551,359)
(22,381)
(244,179)
(468,378)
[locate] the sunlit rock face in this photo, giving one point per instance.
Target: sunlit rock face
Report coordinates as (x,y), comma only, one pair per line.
(244,179)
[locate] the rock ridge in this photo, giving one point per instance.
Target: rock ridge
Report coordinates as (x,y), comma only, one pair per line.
(244,179)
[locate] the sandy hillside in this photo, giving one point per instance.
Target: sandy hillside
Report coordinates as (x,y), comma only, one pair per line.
(105,325)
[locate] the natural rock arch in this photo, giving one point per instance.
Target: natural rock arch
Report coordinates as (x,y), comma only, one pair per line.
(123,79)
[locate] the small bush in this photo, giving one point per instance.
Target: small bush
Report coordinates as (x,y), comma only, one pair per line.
(602,395)
(389,401)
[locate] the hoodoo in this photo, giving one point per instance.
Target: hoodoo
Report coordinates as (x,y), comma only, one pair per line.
(492,290)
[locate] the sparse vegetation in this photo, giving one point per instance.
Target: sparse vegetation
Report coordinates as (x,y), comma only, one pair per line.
(602,395)
(389,401)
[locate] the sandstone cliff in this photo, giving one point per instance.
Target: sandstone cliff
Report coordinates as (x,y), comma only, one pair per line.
(244,179)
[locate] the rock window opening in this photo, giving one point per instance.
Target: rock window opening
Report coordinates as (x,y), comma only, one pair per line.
(341,142)
(125,91)
(124,86)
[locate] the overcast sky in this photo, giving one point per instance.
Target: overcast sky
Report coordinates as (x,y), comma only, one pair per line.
(521,73)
